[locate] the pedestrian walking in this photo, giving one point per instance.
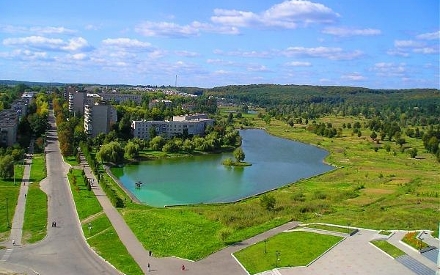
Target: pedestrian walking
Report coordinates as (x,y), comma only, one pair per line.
(183,267)
(148,267)
(150,253)
(13,242)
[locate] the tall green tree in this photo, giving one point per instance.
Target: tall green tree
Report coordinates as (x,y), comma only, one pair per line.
(239,154)
(6,167)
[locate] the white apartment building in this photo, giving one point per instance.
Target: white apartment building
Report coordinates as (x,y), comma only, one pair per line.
(191,124)
(98,118)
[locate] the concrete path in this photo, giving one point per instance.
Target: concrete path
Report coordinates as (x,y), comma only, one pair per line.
(17,220)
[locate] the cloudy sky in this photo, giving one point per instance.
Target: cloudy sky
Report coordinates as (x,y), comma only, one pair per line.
(367,43)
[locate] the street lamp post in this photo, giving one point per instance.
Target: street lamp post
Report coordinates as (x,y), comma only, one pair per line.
(265,246)
(277,254)
(7,213)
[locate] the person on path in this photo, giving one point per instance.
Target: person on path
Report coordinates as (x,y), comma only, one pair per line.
(183,267)
(13,242)
(148,267)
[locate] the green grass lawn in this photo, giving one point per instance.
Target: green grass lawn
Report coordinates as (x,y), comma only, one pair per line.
(101,236)
(35,215)
(175,232)
(285,250)
(89,205)
(388,248)
(8,200)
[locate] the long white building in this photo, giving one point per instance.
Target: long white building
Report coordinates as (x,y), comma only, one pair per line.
(191,124)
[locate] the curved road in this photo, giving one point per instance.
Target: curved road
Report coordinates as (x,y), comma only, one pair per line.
(64,250)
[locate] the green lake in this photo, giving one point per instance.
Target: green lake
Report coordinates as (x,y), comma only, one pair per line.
(203,179)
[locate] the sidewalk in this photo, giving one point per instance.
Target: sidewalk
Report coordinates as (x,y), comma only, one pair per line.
(18,219)
(134,247)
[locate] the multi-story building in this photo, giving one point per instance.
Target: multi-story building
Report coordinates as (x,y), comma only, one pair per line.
(189,124)
(8,127)
(98,118)
(77,101)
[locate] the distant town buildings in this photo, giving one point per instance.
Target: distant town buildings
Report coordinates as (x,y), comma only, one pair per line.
(120,98)
(188,124)
(98,118)
(10,118)
(156,102)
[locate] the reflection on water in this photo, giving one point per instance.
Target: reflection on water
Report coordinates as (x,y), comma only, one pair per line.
(203,179)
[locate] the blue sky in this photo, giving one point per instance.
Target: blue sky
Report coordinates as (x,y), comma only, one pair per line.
(367,43)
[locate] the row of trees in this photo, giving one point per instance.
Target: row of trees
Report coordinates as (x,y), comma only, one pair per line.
(215,140)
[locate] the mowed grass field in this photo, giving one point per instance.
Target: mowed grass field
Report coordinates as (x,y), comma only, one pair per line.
(369,188)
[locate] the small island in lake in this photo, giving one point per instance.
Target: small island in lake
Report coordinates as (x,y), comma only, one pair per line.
(239,157)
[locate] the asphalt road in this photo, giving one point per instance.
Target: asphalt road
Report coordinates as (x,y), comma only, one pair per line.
(64,250)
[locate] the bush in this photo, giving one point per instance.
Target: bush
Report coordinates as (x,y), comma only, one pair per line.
(268,202)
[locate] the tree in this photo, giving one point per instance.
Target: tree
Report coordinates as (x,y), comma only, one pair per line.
(157,143)
(7,167)
(268,202)
(111,152)
(239,154)
(131,150)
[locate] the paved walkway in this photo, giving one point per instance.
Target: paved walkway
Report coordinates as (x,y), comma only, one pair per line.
(17,220)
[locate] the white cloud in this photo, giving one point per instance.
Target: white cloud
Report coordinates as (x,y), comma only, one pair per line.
(170,29)
(186,53)
(79,56)
(127,43)
(298,64)
(345,32)
(77,44)
(167,29)
(287,14)
(389,69)
(404,47)
(52,30)
(257,68)
(354,77)
(324,52)
(26,55)
(247,54)
(36,30)
(407,44)
(44,43)
(429,36)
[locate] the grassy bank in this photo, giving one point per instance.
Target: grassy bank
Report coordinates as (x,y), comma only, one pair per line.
(35,215)
(8,200)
